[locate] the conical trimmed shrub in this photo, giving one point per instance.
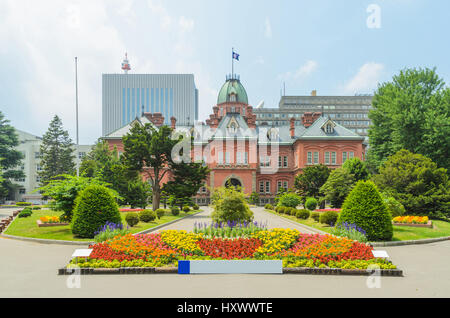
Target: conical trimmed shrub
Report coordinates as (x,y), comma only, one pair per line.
(93,208)
(365,208)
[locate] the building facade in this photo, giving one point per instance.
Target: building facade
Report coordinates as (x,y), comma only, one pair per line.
(349,111)
(30,148)
(127,96)
(257,157)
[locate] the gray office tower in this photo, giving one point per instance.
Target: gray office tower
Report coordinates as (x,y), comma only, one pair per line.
(126,96)
(352,112)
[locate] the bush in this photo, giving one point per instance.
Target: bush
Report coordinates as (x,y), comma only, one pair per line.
(25,213)
(196,207)
(328,217)
(280,209)
(311,204)
(132,219)
(36,208)
(23,203)
(147,216)
(175,211)
(160,213)
(268,206)
(186,209)
(94,207)
(315,216)
(292,211)
(230,205)
(365,208)
(289,199)
(338,186)
(302,214)
(395,208)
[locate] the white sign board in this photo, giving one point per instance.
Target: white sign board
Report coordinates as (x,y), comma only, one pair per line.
(236,267)
(82,253)
(380,254)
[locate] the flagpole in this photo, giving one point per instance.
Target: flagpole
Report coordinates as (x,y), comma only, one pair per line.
(232,63)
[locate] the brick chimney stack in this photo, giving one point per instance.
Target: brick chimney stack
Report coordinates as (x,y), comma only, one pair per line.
(292,127)
(173,121)
(157,118)
(309,118)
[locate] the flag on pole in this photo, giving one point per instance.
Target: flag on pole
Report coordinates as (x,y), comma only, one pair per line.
(235,56)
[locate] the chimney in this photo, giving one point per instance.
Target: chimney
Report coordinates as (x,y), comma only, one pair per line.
(173,121)
(292,127)
(314,93)
(309,118)
(157,119)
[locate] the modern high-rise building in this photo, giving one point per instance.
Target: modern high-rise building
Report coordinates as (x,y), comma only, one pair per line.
(126,96)
(352,112)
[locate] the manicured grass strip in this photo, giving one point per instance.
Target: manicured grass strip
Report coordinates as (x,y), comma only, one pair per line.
(309,222)
(406,233)
(27,227)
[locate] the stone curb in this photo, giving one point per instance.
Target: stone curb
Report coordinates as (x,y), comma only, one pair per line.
(80,243)
(411,242)
(299,224)
(174,270)
(340,271)
(168,223)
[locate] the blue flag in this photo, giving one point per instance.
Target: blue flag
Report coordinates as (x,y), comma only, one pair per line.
(235,56)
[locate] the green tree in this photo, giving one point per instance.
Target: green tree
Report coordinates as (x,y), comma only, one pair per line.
(254,198)
(289,199)
(95,206)
(338,186)
(57,152)
(365,208)
(309,182)
(10,158)
(229,204)
(187,179)
(411,112)
(416,182)
(138,193)
(65,189)
(357,168)
(148,150)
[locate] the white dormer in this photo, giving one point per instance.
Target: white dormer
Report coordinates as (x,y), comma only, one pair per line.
(328,126)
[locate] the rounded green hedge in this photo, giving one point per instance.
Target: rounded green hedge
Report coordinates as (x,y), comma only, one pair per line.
(329,217)
(186,209)
(25,213)
(311,204)
(365,208)
(175,210)
(147,216)
(132,219)
(315,216)
(268,206)
(195,207)
(302,214)
(94,206)
(160,213)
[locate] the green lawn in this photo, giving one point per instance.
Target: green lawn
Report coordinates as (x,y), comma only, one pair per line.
(27,227)
(406,233)
(401,233)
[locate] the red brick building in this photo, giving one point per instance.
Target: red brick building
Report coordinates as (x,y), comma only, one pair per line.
(257,158)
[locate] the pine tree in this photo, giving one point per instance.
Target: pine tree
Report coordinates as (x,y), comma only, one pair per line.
(57,152)
(10,158)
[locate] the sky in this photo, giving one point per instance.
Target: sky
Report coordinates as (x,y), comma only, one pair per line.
(342,47)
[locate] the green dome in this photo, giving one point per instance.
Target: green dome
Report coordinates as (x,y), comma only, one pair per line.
(232,86)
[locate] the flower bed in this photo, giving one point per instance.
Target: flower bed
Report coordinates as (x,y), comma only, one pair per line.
(293,248)
(45,221)
(418,221)
(130,210)
(327,210)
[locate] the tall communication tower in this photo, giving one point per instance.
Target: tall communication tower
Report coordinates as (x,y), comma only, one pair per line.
(126,64)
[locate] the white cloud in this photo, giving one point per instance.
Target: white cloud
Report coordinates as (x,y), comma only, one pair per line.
(267,29)
(186,24)
(366,79)
(301,73)
(47,44)
(165,18)
(259,60)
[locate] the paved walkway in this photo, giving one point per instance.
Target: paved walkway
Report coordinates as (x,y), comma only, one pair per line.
(4,213)
(30,270)
(261,216)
